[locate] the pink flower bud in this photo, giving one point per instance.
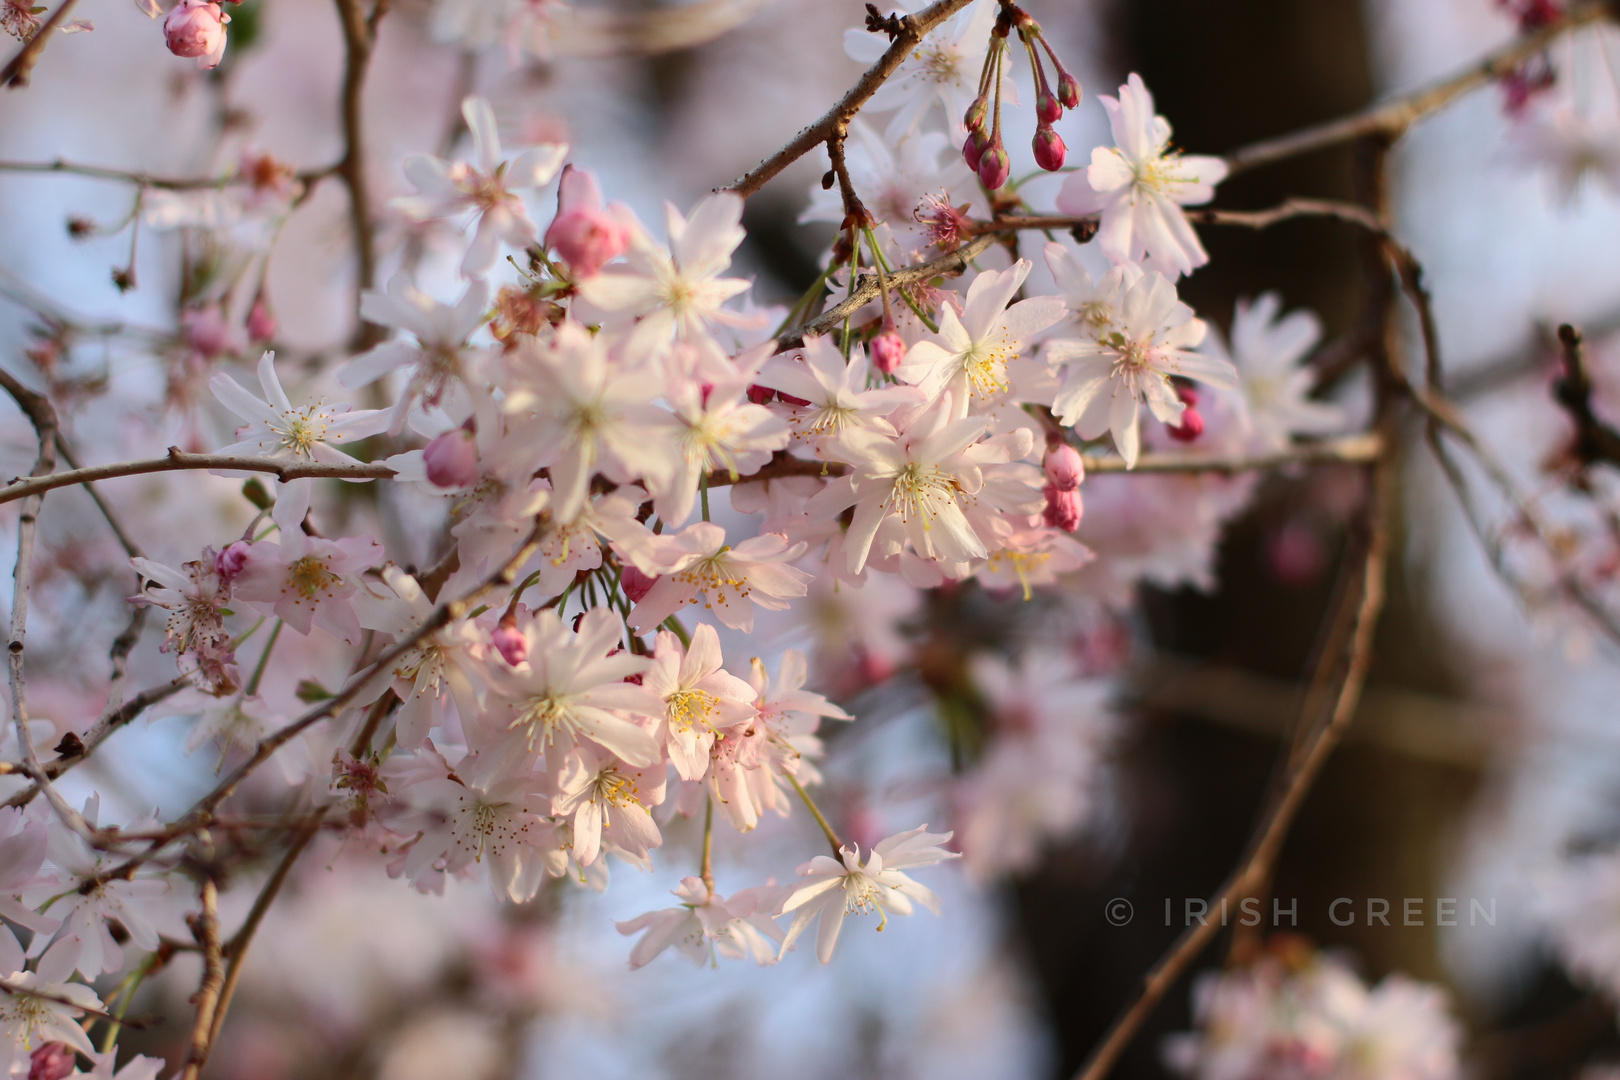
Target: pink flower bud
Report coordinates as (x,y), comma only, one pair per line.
(229,563)
(1049,149)
(888,349)
(261,324)
(451,459)
(1068,90)
(196,28)
(1295,554)
(758,394)
(51,1061)
(1191,426)
(973,150)
(1188,396)
(587,239)
(789,399)
(994,166)
(1047,107)
(635,584)
(974,118)
(1063,508)
(1064,467)
(207,333)
(510,642)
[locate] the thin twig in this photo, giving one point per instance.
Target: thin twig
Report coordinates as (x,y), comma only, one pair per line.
(15,74)
(359,39)
(178,460)
(1391,119)
(1594,440)
(910,31)
(213,979)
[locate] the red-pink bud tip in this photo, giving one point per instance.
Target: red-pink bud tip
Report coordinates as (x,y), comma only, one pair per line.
(973,150)
(635,584)
(1068,90)
(1063,467)
(1047,107)
(888,349)
(1191,426)
(994,167)
(451,460)
(229,563)
(760,395)
(51,1061)
(510,642)
(1049,149)
(974,117)
(261,324)
(1063,508)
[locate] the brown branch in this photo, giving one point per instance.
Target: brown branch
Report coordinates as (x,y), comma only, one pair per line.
(179,460)
(236,949)
(911,30)
(213,980)
(1594,440)
(1361,449)
(1391,119)
(201,813)
(15,74)
(359,39)
(146,180)
(104,726)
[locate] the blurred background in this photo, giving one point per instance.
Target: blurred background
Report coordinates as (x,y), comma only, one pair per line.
(1486,749)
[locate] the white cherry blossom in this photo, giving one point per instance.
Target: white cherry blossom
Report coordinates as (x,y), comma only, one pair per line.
(1139,186)
(487,186)
(278,430)
(879,883)
(707,923)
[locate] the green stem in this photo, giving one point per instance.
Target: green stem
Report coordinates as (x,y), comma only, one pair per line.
(703,490)
(129,987)
(910,303)
(815,812)
(706,870)
(264,660)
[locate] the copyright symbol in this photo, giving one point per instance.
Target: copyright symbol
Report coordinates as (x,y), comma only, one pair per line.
(1119,911)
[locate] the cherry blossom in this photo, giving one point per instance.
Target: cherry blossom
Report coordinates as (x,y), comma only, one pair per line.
(305,580)
(732,580)
(707,923)
(571,689)
(943,70)
(833,390)
(487,186)
(879,883)
(438,359)
(1139,186)
(1269,354)
(608,801)
(700,698)
(678,292)
(277,430)
(1133,364)
(970,354)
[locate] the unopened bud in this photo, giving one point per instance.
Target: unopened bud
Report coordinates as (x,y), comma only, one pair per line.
(51,1061)
(789,399)
(1068,90)
(1063,466)
(229,563)
(1049,149)
(888,349)
(635,584)
(1191,426)
(80,227)
(587,239)
(261,324)
(758,394)
(973,150)
(510,642)
(451,460)
(196,28)
(1047,107)
(974,118)
(994,167)
(1063,508)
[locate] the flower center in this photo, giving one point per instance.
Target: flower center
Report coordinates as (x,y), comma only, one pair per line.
(545,717)
(302,430)
(310,576)
(688,709)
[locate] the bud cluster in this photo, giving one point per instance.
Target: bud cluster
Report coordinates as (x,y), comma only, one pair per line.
(986,154)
